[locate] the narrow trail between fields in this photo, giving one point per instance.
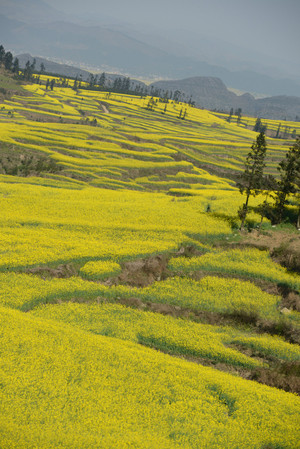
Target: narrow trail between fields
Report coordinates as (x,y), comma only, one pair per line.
(104,108)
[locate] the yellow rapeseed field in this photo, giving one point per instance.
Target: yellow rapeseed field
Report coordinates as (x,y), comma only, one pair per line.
(90,181)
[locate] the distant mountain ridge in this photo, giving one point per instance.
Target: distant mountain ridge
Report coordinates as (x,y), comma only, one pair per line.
(53,67)
(30,11)
(115,51)
(207,92)
(65,70)
(211,93)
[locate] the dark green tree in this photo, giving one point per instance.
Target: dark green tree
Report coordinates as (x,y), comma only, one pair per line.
(91,81)
(289,183)
(102,80)
(257,125)
(16,66)
(2,54)
(250,182)
(8,60)
(239,115)
(265,209)
(27,71)
(75,86)
(151,104)
(278,131)
(230,115)
(177,95)
(42,68)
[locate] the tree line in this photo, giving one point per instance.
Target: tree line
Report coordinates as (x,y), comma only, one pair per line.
(124,85)
(101,82)
(253,182)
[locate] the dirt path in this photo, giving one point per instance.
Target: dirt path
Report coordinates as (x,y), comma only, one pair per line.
(104,108)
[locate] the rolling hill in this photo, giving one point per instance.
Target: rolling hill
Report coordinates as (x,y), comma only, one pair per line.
(133,311)
(211,93)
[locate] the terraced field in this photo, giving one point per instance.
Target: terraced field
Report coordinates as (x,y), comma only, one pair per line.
(131,316)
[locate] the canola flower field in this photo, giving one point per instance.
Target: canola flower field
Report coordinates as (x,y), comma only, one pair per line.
(77,368)
(72,388)
(249,262)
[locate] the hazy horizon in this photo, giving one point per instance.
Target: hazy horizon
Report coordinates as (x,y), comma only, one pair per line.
(251,46)
(269,27)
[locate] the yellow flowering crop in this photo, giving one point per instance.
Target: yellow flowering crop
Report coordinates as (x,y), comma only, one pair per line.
(169,334)
(251,263)
(100,269)
(67,388)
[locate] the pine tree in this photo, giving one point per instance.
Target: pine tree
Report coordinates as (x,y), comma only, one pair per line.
(27,71)
(258,125)
(91,81)
(2,54)
(251,180)
(102,80)
(289,182)
(265,209)
(278,131)
(16,66)
(230,115)
(75,86)
(8,59)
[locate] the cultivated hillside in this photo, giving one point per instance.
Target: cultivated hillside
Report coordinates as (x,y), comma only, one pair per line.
(133,311)
(207,92)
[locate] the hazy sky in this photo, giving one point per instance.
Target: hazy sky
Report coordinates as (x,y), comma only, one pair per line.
(270,26)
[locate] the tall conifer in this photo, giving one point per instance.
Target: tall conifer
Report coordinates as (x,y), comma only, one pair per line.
(250,182)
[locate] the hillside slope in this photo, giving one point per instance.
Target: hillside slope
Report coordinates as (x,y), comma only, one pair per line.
(66,388)
(211,93)
(132,313)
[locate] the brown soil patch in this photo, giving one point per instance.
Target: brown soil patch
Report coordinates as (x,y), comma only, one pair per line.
(285,376)
(43,117)
(143,272)
(62,271)
(274,240)
(284,247)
